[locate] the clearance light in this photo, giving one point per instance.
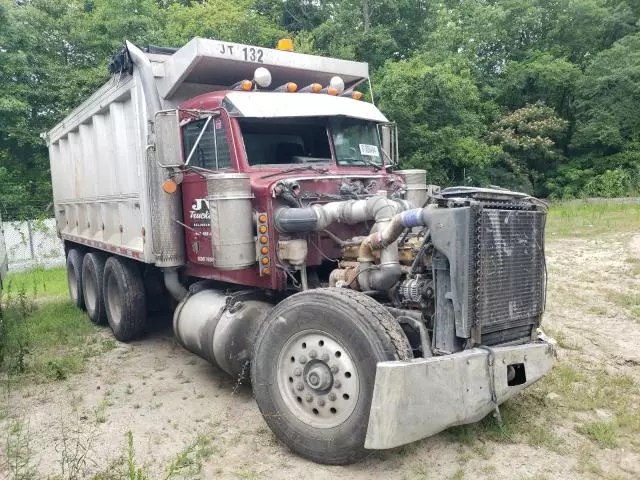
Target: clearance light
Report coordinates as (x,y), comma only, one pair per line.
(287,87)
(285,44)
(169,186)
(263,251)
(312,88)
(352,94)
(337,83)
(331,91)
(262,77)
(245,85)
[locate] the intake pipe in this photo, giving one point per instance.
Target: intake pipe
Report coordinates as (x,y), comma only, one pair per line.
(370,276)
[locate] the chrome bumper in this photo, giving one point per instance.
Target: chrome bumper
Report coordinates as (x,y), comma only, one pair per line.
(418,398)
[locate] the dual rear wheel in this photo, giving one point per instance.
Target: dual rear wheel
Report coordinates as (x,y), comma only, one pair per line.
(110,289)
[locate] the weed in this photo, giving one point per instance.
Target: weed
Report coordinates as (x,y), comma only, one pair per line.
(189,461)
(134,473)
(604,433)
(129,390)
(458,475)
(75,449)
(18,452)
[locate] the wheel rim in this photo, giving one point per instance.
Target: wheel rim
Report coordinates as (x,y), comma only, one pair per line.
(72,280)
(90,293)
(114,301)
(318,379)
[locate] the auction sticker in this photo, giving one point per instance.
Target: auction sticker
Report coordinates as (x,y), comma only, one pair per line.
(366,149)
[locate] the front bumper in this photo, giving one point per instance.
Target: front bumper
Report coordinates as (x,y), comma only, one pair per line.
(418,398)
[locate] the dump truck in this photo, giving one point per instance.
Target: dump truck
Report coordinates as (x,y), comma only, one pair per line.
(257,191)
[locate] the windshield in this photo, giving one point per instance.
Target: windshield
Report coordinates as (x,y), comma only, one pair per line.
(356,142)
(285,141)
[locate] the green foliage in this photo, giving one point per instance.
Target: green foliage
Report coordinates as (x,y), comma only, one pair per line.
(452,74)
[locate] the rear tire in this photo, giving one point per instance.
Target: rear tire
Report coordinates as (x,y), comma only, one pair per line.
(92,282)
(74,277)
(313,370)
(124,299)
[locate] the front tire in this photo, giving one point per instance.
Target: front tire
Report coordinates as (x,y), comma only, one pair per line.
(74,277)
(313,370)
(124,299)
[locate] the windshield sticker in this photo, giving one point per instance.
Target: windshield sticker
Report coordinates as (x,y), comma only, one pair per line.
(366,149)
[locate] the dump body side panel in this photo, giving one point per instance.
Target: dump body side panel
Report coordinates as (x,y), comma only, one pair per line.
(98,171)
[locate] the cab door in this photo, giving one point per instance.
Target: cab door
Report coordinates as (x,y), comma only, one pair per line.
(206,147)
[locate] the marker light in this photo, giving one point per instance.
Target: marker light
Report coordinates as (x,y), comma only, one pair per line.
(265,260)
(245,85)
(352,94)
(263,239)
(312,88)
(169,186)
(264,250)
(262,77)
(337,83)
(285,44)
(287,87)
(263,229)
(332,91)
(262,218)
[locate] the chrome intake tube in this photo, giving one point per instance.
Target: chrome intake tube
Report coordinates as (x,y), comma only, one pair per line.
(383,210)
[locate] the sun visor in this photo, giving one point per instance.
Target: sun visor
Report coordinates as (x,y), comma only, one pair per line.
(205,61)
(274,104)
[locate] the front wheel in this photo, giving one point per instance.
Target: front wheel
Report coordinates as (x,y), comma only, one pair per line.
(313,370)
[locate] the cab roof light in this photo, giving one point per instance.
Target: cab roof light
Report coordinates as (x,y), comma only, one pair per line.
(285,44)
(287,87)
(352,94)
(330,91)
(311,88)
(262,77)
(246,85)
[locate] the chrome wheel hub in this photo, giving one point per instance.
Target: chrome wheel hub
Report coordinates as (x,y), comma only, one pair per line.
(318,379)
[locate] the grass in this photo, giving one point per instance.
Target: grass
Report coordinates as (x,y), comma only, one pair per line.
(45,337)
(604,433)
(582,219)
(39,281)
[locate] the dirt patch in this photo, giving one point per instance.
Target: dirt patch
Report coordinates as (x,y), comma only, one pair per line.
(187,415)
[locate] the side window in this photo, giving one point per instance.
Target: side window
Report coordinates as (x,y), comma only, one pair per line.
(212,152)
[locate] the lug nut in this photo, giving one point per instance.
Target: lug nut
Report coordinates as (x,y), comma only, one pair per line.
(297,372)
(300,386)
(313,354)
(309,397)
(337,384)
(332,397)
(334,369)
(325,357)
(303,359)
(321,402)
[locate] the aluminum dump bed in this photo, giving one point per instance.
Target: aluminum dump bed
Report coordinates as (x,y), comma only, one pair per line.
(106,188)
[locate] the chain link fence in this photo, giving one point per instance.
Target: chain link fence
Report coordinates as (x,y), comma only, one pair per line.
(32,243)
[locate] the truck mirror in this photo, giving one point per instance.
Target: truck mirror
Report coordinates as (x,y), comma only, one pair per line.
(389,139)
(168,145)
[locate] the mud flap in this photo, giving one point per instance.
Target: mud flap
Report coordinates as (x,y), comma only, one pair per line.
(421,397)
